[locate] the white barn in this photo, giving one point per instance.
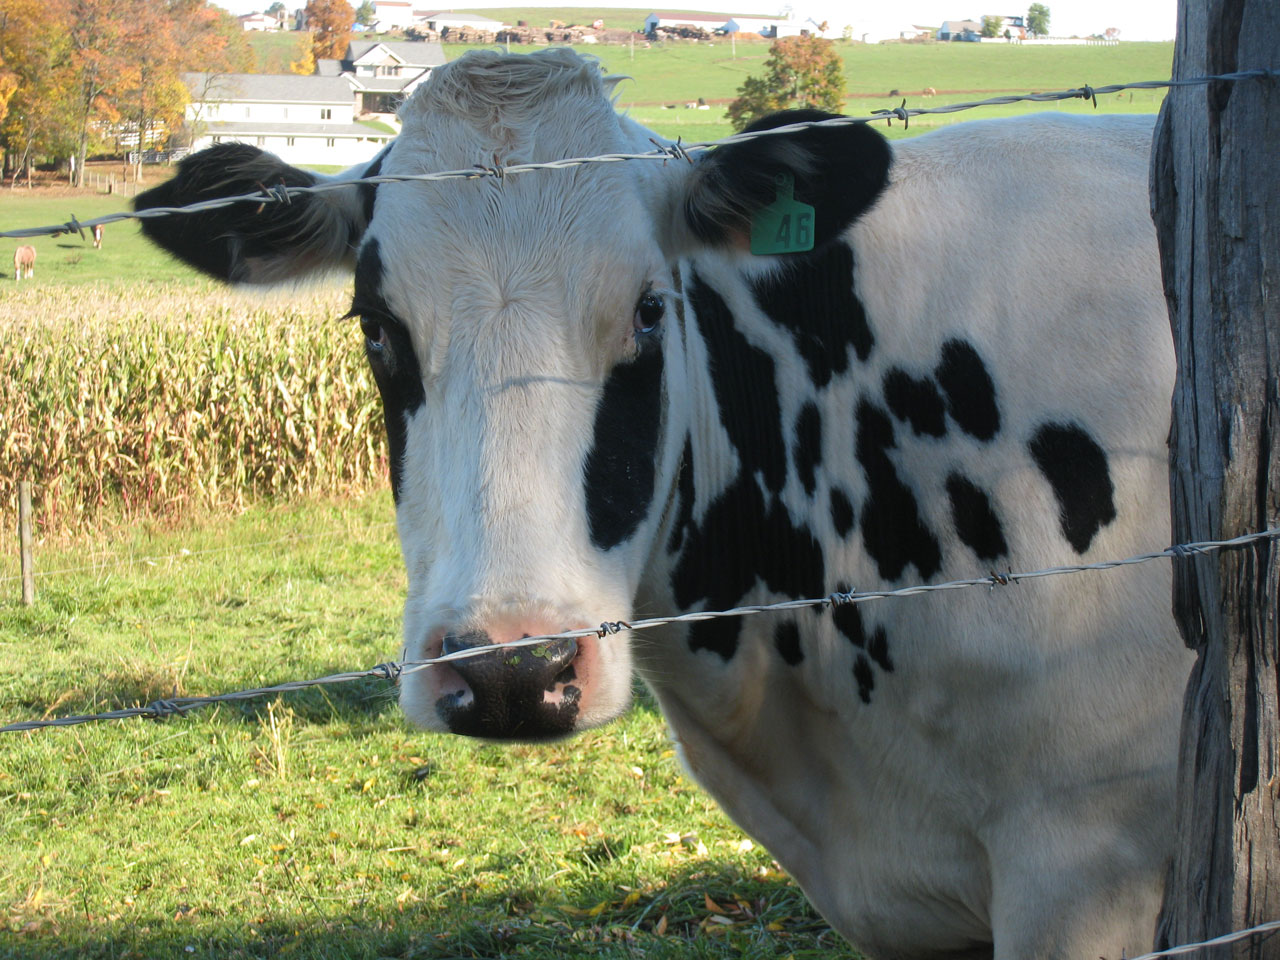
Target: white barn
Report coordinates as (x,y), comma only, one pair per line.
(302,120)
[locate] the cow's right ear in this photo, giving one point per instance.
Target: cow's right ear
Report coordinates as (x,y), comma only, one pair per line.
(839,170)
(250,242)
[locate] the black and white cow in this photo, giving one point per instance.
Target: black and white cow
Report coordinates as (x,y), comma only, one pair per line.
(599,403)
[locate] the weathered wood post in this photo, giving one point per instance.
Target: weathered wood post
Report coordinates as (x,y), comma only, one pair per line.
(1215,195)
(24,543)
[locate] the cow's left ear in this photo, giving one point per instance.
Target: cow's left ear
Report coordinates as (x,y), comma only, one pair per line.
(249,242)
(838,170)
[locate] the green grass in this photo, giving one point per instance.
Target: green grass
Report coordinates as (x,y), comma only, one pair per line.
(676,73)
(319,825)
(273,52)
(125,257)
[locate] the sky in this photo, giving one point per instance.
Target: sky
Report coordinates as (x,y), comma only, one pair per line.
(1136,19)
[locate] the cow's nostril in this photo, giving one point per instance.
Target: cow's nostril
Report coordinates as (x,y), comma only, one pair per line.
(457,642)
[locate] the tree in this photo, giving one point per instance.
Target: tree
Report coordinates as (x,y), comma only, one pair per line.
(800,72)
(1215,184)
(365,14)
(1038,20)
(276,9)
(330,22)
(991,26)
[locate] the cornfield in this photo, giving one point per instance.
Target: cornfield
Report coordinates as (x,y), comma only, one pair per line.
(119,401)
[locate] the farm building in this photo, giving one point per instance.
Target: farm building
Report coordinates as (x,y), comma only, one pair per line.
(260,21)
(392,14)
(304,120)
(709,22)
(440,22)
(382,73)
(771,27)
(964,30)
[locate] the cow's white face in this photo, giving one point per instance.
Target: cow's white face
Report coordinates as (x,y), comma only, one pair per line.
(505,320)
(524,334)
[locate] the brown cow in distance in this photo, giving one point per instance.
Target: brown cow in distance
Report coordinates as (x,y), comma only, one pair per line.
(97,236)
(24,262)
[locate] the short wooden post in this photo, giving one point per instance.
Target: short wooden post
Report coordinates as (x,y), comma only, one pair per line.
(24,541)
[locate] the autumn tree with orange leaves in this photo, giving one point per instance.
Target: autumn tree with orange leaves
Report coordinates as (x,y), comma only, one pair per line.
(800,72)
(86,69)
(330,22)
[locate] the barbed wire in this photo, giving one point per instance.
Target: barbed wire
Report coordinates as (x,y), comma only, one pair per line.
(1268,927)
(393,670)
(662,152)
(155,560)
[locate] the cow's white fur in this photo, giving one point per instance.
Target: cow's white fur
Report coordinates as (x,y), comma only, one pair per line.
(1011,781)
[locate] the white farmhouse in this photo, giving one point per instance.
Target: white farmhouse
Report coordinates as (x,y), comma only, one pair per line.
(302,120)
(383,73)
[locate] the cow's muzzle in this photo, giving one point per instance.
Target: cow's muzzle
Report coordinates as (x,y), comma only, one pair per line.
(509,693)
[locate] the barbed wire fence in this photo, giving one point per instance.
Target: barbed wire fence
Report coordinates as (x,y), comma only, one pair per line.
(393,670)
(661,152)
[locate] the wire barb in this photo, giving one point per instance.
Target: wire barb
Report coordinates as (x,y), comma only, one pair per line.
(1086,92)
(610,627)
(900,112)
(163,709)
(390,670)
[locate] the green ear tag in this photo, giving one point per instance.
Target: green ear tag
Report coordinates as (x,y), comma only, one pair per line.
(784,226)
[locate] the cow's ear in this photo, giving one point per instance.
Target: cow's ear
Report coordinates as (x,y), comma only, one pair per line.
(838,170)
(250,242)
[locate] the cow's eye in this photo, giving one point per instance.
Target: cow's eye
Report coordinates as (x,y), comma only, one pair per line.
(375,336)
(648,312)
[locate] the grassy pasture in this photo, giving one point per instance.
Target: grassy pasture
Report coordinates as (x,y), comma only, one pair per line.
(125,256)
(320,826)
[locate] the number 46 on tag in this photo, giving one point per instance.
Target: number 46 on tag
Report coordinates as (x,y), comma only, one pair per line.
(784,226)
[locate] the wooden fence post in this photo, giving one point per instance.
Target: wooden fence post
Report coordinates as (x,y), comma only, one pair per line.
(24,543)
(1215,197)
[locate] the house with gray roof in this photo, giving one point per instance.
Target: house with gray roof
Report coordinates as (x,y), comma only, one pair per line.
(383,73)
(301,119)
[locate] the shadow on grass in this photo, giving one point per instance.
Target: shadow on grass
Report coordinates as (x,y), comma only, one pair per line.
(753,917)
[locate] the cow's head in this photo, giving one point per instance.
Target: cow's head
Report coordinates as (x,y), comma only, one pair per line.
(525,335)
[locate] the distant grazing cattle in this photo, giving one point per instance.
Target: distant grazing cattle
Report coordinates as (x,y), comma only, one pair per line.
(24,263)
(97,236)
(598,401)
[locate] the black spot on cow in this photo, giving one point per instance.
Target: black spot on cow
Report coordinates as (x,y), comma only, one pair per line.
(619,470)
(865,677)
(684,498)
(395,365)
(1076,468)
(848,620)
(813,298)
(745,387)
(892,530)
(808,449)
(841,511)
(743,540)
(915,401)
(975,519)
(971,396)
(786,639)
